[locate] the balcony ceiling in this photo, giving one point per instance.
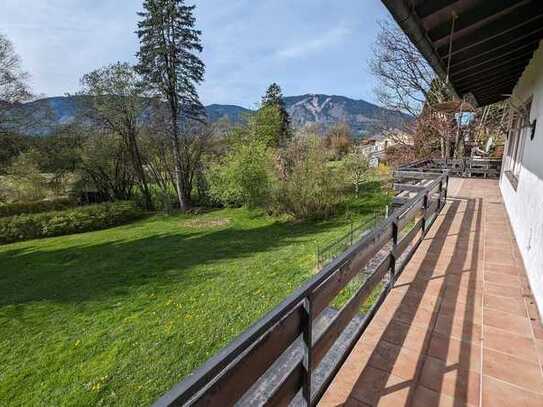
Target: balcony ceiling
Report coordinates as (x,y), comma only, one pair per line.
(492,40)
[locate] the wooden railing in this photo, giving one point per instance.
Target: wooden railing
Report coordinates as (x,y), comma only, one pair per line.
(464,167)
(408,184)
(234,372)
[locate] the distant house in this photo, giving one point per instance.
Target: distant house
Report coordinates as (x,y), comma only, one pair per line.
(375,147)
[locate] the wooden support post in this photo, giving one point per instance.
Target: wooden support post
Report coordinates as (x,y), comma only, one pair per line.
(394,247)
(424,210)
(439,193)
(307,339)
(446,186)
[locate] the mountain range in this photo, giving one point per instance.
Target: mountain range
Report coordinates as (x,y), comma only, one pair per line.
(325,110)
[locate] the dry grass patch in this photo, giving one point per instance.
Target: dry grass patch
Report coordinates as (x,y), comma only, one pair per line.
(205,223)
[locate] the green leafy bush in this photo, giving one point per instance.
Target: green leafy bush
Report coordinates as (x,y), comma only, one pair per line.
(57,223)
(307,187)
(20,208)
(243,178)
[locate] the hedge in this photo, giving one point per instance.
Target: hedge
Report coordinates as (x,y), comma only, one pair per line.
(36,207)
(57,223)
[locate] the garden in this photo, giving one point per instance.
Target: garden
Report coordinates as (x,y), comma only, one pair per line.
(117,316)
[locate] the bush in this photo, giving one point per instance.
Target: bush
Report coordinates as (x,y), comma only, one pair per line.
(355,167)
(36,207)
(307,188)
(84,219)
(243,178)
(25,181)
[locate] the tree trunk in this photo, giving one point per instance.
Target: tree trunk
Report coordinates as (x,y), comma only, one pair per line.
(182,194)
(140,172)
(184,203)
(186,189)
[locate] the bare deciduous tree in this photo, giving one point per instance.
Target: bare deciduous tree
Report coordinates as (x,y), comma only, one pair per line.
(13,79)
(14,86)
(118,100)
(406,82)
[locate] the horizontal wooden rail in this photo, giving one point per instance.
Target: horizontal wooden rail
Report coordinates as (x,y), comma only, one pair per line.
(347,313)
(241,376)
(234,372)
(461,167)
(408,187)
(283,394)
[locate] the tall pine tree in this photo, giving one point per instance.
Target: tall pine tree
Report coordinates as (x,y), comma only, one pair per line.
(168,60)
(274,98)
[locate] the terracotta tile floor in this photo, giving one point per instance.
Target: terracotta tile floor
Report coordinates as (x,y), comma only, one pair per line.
(460,327)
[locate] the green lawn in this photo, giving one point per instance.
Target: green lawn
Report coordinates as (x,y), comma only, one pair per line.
(116,317)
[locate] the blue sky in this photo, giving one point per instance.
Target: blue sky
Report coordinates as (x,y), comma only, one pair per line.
(307,46)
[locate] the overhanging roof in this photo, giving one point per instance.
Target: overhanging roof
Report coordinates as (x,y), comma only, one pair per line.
(492,41)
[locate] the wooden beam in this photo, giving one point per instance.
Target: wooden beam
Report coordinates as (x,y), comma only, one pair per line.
(477,18)
(509,71)
(283,394)
(501,87)
(497,47)
(369,246)
(408,187)
(488,87)
(497,92)
(433,16)
(527,50)
(237,379)
(427,8)
(407,239)
(527,22)
(520,60)
(347,313)
(514,72)
(416,175)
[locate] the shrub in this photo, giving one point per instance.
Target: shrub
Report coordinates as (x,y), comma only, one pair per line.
(355,166)
(338,140)
(20,208)
(57,223)
(25,181)
(307,186)
(243,178)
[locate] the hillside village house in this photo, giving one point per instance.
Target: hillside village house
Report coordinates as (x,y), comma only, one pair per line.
(374,147)
(460,264)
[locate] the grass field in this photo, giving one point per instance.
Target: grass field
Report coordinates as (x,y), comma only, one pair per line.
(116,317)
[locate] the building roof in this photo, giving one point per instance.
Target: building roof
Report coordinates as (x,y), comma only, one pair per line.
(490,42)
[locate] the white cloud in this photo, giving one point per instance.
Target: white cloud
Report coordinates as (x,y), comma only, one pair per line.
(326,40)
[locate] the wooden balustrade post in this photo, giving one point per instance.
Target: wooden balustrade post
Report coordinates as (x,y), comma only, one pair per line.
(446,186)
(439,193)
(424,211)
(307,339)
(394,253)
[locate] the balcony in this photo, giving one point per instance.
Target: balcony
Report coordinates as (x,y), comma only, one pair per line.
(459,327)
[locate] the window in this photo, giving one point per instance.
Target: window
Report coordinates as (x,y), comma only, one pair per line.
(519,130)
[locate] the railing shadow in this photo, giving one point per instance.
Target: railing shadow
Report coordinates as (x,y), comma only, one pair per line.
(404,335)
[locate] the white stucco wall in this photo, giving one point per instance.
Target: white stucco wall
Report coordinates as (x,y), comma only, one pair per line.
(525,205)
